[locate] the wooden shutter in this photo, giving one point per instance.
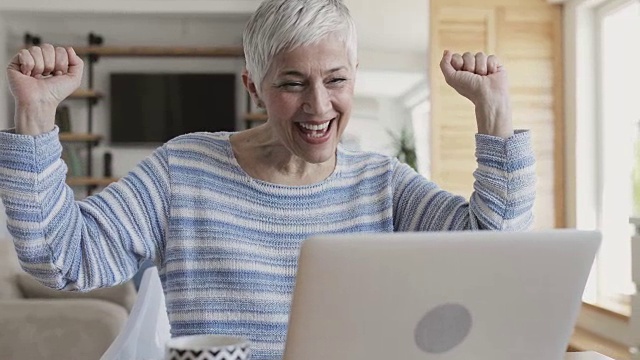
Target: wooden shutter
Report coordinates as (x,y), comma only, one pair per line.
(526,36)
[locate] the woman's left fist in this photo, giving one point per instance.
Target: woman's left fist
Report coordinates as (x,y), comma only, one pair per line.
(479,78)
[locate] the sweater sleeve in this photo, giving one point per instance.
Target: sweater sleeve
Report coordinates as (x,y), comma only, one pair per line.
(503,196)
(80,245)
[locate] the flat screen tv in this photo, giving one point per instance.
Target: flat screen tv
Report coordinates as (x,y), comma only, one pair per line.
(153,108)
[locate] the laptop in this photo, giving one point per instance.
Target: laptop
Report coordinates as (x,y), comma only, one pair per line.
(439,296)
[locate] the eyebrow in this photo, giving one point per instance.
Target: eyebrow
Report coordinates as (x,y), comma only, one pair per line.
(299,74)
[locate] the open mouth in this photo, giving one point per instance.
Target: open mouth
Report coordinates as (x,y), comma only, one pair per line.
(316,132)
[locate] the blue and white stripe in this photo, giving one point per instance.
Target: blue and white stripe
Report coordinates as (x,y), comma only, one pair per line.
(226,244)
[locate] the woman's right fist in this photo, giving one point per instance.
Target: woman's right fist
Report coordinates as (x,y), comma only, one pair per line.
(43,76)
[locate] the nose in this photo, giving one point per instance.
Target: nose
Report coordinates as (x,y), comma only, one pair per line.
(317,100)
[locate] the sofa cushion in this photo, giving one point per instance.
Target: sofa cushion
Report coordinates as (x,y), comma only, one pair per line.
(69,329)
(9,268)
(123,295)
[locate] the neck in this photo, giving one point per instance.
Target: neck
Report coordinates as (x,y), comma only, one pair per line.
(262,155)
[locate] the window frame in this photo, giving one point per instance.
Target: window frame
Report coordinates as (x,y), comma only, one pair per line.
(602,11)
(583,111)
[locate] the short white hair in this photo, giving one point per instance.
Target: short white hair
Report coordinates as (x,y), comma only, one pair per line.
(283,25)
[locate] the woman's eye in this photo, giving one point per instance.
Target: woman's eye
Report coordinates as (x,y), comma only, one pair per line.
(337,80)
(291,85)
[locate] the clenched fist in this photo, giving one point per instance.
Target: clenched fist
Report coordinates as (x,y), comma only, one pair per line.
(39,79)
(482,80)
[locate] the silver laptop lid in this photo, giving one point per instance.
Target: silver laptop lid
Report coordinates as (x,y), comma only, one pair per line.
(445,296)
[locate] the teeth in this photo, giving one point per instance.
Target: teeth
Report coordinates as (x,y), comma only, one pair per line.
(315,127)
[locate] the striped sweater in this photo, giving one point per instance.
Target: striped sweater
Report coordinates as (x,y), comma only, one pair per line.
(226,244)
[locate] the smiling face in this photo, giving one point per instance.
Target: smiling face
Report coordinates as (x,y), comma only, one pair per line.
(308,95)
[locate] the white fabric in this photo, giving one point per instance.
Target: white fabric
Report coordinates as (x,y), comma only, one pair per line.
(4,233)
(147,329)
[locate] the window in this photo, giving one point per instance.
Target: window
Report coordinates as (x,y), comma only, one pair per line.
(617,125)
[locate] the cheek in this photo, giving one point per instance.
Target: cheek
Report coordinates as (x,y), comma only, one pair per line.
(344,104)
(282,106)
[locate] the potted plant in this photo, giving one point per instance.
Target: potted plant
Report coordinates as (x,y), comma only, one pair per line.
(404,147)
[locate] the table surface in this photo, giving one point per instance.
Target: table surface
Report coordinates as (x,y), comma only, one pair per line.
(590,355)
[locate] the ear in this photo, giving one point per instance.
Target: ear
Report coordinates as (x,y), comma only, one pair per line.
(251,88)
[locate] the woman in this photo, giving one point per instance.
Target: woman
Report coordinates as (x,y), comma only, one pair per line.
(223,214)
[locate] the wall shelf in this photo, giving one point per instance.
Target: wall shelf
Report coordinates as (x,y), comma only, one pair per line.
(256,117)
(86,94)
(160,51)
(89,181)
(92,52)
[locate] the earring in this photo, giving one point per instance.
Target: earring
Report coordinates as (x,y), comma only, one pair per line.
(260,104)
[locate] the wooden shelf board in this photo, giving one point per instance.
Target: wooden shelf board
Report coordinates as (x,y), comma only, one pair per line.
(85,94)
(256,117)
(89,181)
(161,51)
(79,137)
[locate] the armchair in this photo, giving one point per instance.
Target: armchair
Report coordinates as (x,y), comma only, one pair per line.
(37,322)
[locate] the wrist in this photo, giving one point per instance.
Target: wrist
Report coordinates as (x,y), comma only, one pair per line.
(34,119)
(494,118)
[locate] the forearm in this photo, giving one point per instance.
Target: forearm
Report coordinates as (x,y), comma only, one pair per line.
(505,182)
(34,119)
(495,119)
(502,200)
(78,245)
(42,216)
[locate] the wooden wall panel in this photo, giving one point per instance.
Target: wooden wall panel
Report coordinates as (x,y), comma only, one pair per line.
(526,36)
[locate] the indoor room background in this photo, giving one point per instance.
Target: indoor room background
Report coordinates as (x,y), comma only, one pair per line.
(573,74)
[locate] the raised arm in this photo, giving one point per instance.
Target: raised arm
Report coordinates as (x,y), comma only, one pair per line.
(68,244)
(504,188)
(503,196)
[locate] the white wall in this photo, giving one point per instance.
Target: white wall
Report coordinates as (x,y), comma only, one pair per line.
(5,117)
